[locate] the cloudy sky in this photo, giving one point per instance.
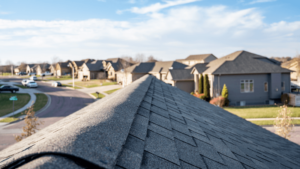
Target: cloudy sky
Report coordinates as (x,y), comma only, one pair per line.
(35,30)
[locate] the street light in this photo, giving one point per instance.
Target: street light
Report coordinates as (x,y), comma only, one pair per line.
(72,75)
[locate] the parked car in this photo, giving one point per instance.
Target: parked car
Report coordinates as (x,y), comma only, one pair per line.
(8,88)
(24,82)
(47,74)
(33,78)
(32,84)
(55,84)
(31,74)
(21,73)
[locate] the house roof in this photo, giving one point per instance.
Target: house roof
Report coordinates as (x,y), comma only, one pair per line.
(64,64)
(31,65)
(197,57)
(243,62)
(118,63)
(96,65)
(181,74)
(289,63)
(155,67)
(150,124)
(200,67)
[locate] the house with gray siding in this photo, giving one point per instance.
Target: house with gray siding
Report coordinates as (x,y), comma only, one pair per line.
(181,78)
(250,78)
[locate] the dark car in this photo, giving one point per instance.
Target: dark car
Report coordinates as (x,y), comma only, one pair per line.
(22,73)
(8,88)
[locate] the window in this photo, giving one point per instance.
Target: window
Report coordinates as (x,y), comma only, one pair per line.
(282,86)
(266,86)
(247,86)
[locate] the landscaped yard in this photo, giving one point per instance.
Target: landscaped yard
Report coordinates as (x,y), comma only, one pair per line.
(5,74)
(93,83)
(271,122)
(70,86)
(41,101)
(6,106)
(57,79)
(100,95)
(260,111)
(111,91)
(23,87)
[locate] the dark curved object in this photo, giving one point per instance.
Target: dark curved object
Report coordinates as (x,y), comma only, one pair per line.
(77,160)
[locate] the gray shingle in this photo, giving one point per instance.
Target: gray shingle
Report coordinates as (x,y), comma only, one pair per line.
(129,159)
(231,163)
(221,147)
(208,151)
(180,127)
(184,138)
(213,164)
(134,144)
(139,127)
(160,120)
(146,105)
(144,112)
(160,130)
(151,161)
(187,165)
(160,111)
(189,154)
(162,146)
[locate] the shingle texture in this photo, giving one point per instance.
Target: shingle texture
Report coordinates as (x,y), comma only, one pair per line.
(181,74)
(197,57)
(150,124)
(243,62)
(157,67)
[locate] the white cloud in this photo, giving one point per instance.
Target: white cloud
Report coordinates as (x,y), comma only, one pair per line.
(174,34)
(261,1)
(158,6)
(131,1)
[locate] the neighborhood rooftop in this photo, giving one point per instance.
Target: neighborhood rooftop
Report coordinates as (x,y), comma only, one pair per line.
(196,57)
(150,124)
(161,67)
(243,62)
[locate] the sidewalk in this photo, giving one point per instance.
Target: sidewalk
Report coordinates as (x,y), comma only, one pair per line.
(101,89)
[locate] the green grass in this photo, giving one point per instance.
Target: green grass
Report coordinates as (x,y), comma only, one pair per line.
(111,91)
(5,74)
(41,101)
(271,122)
(260,111)
(23,87)
(100,95)
(6,106)
(94,83)
(58,79)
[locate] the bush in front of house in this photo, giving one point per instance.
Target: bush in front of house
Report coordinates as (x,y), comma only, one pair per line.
(218,101)
(192,93)
(201,84)
(285,99)
(206,88)
(225,95)
(203,97)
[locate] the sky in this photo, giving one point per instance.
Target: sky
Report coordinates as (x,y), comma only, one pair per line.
(36,31)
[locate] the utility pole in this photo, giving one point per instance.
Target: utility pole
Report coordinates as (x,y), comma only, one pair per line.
(73,77)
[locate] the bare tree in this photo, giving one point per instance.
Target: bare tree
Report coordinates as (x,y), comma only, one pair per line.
(139,58)
(151,59)
(22,67)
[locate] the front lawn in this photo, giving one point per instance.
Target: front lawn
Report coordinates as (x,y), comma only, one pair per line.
(260,111)
(6,106)
(93,83)
(271,122)
(100,95)
(57,79)
(41,101)
(111,91)
(70,86)
(23,87)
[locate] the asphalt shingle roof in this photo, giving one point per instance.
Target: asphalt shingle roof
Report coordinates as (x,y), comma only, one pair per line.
(150,124)
(157,67)
(181,74)
(243,62)
(96,65)
(197,57)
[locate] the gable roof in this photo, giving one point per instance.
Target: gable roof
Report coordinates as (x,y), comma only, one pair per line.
(289,63)
(181,74)
(197,57)
(155,67)
(150,124)
(119,63)
(96,65)
(64,64)
(31,65)
(243,62)
(200,67)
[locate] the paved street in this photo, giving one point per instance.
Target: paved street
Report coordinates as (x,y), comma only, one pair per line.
(63,102)
(295,134)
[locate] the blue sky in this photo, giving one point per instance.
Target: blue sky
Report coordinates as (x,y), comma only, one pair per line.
(35,30)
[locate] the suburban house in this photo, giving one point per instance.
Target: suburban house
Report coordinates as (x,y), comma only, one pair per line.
(294,66)
(150,124)
(181,78)
(194,59)
(78,64)
(157,69)
(114,65)
(92,70)
(250,78)
(41,68)
(63,68)
(31,68)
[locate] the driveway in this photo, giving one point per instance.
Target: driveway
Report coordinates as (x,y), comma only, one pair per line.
(295,134)
(101,89)
(63,103)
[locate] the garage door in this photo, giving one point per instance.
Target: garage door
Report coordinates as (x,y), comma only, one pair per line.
(187,86)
